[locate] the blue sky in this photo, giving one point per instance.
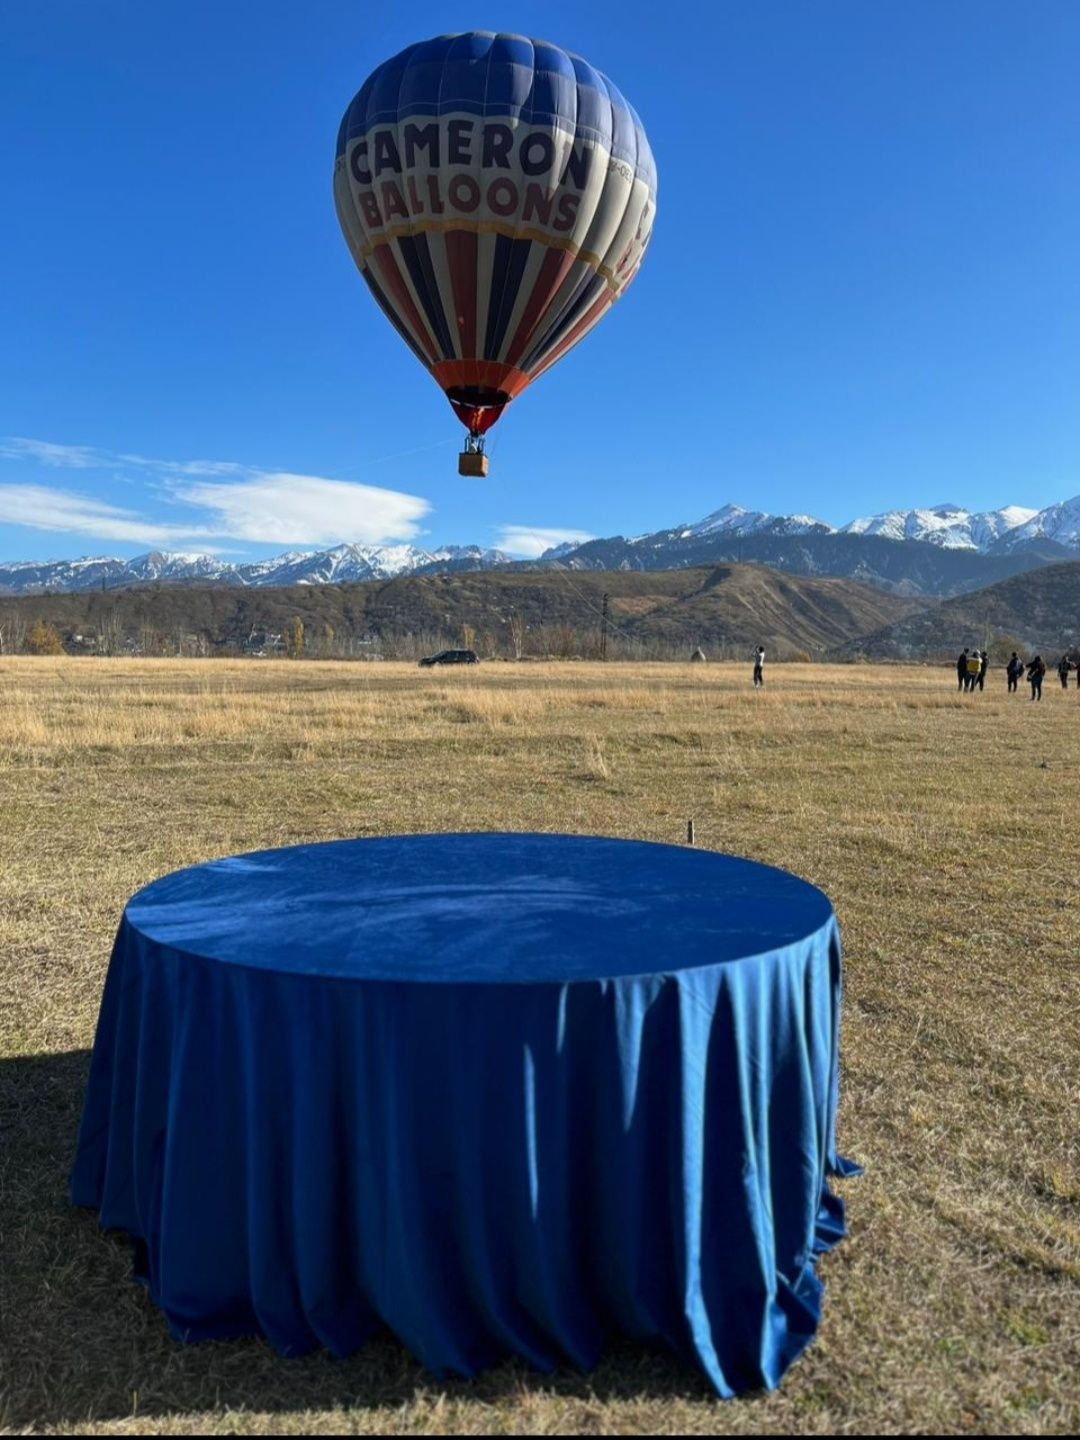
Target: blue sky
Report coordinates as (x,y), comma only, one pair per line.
(862,291)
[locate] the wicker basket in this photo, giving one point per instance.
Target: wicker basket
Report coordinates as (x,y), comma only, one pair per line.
(473,462)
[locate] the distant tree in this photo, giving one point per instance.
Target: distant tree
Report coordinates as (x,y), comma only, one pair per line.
(151,640)
(565,641)
(517,633)
(1001,645)
(111,633)
(15,628)
(468,637)
(326,645)
(44,639)
(294,638)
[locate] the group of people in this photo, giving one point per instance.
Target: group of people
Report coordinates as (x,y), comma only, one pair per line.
(971,668)
(972,665)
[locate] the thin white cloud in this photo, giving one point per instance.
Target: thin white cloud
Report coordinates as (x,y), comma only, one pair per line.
(205,467)
(67,457)
(42,508)
(284,509)
(230,501)
(186,467)
(531,542)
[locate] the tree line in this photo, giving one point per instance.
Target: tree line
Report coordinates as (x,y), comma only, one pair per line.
(514,640)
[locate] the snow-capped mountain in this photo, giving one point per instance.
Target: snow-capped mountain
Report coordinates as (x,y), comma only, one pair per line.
(178,565)
(944,550)
(26,577)
(1060,523)
(948,525)
(343,562)
(795,542)
(295,567)
(95,572)
(556,552)
(734,520)
(364,562)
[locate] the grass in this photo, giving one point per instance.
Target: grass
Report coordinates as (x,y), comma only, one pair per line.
(945,830)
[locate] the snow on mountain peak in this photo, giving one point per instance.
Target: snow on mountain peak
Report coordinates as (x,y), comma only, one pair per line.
(728,517)
(735,520)
(949,525)
(1060,522)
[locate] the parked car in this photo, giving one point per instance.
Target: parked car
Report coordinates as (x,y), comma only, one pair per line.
(451,657)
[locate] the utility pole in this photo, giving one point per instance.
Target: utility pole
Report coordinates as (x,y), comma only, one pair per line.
(603,628)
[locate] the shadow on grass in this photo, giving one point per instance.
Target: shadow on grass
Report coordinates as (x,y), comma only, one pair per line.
(80,1342)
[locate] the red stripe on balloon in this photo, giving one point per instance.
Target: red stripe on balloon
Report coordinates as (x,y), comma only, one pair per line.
(461,255)
(484,374)
(571,337)
(553,271)
(399,290)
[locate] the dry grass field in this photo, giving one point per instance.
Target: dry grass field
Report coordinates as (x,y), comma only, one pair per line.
(946,830)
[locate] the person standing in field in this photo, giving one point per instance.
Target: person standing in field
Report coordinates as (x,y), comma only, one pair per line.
(1036,670)
(961,670)
(1014,670)
(974,664)
(759,667)
(984,665)
(1064,666)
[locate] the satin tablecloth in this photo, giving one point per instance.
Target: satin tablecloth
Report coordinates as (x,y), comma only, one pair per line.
(504,1094)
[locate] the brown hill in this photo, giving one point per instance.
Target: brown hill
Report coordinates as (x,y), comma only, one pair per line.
(726,609)
(1037,611)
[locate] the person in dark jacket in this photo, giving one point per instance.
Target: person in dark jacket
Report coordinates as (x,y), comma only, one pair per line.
(961,670)
(1036,670)
(1064,666)
(984,665)
(1014,670)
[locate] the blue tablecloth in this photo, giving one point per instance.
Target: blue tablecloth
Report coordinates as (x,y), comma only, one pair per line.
(505,1094)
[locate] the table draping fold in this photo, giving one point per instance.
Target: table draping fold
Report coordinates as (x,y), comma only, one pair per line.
(503,1094)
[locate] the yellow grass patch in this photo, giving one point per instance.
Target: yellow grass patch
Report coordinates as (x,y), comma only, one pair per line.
(945,828)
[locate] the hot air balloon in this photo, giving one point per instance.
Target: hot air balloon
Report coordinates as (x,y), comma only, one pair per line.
(497,195)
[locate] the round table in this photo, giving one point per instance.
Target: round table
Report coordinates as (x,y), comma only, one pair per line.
(504,1094)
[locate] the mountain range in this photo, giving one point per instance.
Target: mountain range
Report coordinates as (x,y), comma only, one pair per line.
(654,614)
(950,526)
(294,567)
(942,551)
(728,609)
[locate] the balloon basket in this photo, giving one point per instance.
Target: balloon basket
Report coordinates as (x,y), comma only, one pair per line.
(474,463)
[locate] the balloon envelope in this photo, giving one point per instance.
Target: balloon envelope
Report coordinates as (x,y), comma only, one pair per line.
(498,195)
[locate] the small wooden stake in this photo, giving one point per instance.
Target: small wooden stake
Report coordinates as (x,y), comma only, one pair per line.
(689,832)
